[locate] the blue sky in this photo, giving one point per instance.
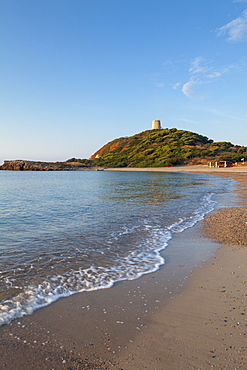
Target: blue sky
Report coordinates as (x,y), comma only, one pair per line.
(75,74)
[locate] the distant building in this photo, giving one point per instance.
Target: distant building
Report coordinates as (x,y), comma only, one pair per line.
(156,124)
(218,164)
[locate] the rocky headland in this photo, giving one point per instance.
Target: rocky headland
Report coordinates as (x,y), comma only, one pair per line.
(151,148)
(21,165)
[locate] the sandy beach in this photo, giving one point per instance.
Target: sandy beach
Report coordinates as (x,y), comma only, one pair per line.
(195,320)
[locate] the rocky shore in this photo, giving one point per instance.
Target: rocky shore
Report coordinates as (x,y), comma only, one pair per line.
(21,165)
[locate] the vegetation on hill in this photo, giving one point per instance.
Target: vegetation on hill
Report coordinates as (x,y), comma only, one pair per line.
(151,148)
(166,147)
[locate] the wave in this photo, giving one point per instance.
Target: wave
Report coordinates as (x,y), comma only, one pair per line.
(145,259)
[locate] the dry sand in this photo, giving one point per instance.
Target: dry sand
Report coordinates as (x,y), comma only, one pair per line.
(193,320)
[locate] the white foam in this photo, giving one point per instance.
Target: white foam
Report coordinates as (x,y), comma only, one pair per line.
(145,259)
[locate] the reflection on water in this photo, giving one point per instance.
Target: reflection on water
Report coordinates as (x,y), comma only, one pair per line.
(63,232)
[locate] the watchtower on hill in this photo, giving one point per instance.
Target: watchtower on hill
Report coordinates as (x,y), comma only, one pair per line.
(156,124)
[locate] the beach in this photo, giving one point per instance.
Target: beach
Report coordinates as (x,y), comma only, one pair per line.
(196,320)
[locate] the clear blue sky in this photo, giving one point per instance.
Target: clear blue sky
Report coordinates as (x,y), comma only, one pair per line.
(76,74)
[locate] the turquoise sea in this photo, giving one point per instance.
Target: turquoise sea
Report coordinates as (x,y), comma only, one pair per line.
(67,232)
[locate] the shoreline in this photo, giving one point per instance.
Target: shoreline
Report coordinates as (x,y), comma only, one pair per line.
(187,168)
(148,323)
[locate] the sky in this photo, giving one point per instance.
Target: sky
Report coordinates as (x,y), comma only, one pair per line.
(75,74)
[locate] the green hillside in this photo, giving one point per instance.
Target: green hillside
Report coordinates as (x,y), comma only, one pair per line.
(166,147)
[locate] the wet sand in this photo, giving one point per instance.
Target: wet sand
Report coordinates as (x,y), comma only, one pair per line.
(177,318)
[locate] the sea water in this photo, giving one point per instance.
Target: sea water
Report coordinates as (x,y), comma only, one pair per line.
(67,232)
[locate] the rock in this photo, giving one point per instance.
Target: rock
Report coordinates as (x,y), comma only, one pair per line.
(21,165)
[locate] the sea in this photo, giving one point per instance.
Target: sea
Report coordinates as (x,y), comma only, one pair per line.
(63,232)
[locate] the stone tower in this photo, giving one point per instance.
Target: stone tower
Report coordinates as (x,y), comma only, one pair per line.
(156,124)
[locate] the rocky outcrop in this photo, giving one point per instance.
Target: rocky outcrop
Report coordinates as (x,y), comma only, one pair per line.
(20,165)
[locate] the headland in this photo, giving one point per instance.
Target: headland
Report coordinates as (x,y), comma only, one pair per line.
(22,165)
